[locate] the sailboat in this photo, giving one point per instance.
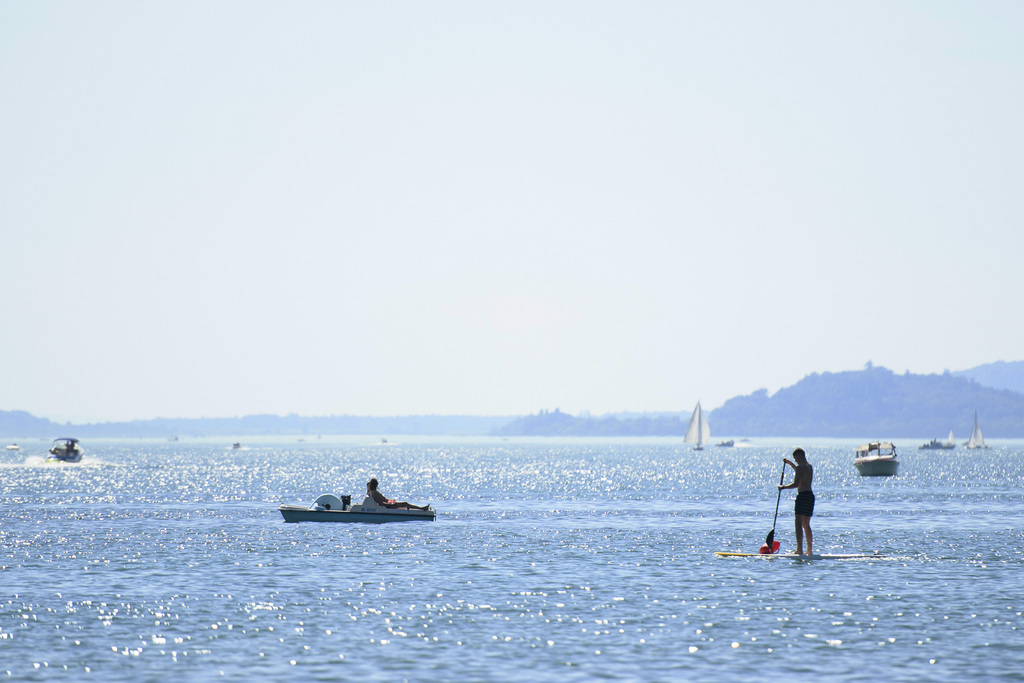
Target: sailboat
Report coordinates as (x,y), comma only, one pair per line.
(698,433)
(976,440)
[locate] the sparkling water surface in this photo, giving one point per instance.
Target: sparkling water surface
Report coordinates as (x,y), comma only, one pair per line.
(550,560)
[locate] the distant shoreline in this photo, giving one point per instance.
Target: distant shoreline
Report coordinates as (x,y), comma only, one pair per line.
(835,405)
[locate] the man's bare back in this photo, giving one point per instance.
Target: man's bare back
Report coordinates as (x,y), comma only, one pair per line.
(803,476)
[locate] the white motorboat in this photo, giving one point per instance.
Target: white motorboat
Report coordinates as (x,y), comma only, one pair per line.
(698,433)
(876,459)
(65,450)
(330,508)
(13,447)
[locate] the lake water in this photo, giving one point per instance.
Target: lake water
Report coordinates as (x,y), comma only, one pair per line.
(550,560)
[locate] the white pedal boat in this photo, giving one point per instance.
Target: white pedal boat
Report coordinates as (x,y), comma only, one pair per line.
(329,508)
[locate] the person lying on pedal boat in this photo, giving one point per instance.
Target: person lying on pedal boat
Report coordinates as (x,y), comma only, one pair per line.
(380,499)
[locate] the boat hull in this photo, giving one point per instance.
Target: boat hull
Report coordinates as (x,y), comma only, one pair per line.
(877,467)
(62,457)
(301,513)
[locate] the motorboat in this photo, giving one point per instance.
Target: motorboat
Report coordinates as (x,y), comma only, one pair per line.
(726,444)
(935,444)
(13,447)
(330,508)
(876,459)
(65,450)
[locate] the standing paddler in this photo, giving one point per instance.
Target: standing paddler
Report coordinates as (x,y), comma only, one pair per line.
(803,474)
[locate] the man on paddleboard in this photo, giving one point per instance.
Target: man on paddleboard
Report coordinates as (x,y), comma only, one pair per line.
(803,473)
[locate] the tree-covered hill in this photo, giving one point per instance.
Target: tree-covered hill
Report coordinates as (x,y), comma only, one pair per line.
(19,424)
(998,375)
(557,423)
(870,403)
(874,402)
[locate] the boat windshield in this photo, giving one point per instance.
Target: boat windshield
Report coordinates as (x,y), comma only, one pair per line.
(879,448)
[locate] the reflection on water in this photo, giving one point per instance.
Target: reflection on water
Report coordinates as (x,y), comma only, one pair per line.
(566,559)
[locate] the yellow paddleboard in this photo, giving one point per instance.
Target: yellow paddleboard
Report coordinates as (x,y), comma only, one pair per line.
(794,556)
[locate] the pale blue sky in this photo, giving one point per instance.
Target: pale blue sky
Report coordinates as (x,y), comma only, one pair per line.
(216,209)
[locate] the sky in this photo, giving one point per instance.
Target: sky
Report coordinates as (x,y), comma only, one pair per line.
(492,208)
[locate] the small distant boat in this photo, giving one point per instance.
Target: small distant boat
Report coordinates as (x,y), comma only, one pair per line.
(935,444)
(876,459)
(698,433)
(329,508)
(65,450)
(13,447)
(235,446)
(726,444)
(976,440)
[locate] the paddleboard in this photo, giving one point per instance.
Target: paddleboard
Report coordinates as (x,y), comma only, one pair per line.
(794,556)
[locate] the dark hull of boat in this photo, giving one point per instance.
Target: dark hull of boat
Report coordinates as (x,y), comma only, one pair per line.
(299,513)
(64,457)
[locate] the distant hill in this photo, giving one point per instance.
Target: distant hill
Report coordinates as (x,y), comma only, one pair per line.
(19,424)
(874,402)
(998,375)
(557,423)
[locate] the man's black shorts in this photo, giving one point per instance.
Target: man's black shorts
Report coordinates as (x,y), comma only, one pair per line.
(804,504)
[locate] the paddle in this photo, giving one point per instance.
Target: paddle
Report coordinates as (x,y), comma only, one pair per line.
(769,541)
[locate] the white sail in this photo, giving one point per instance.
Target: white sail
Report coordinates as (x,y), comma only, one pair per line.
(976,440)
(698,433)
(951,441)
